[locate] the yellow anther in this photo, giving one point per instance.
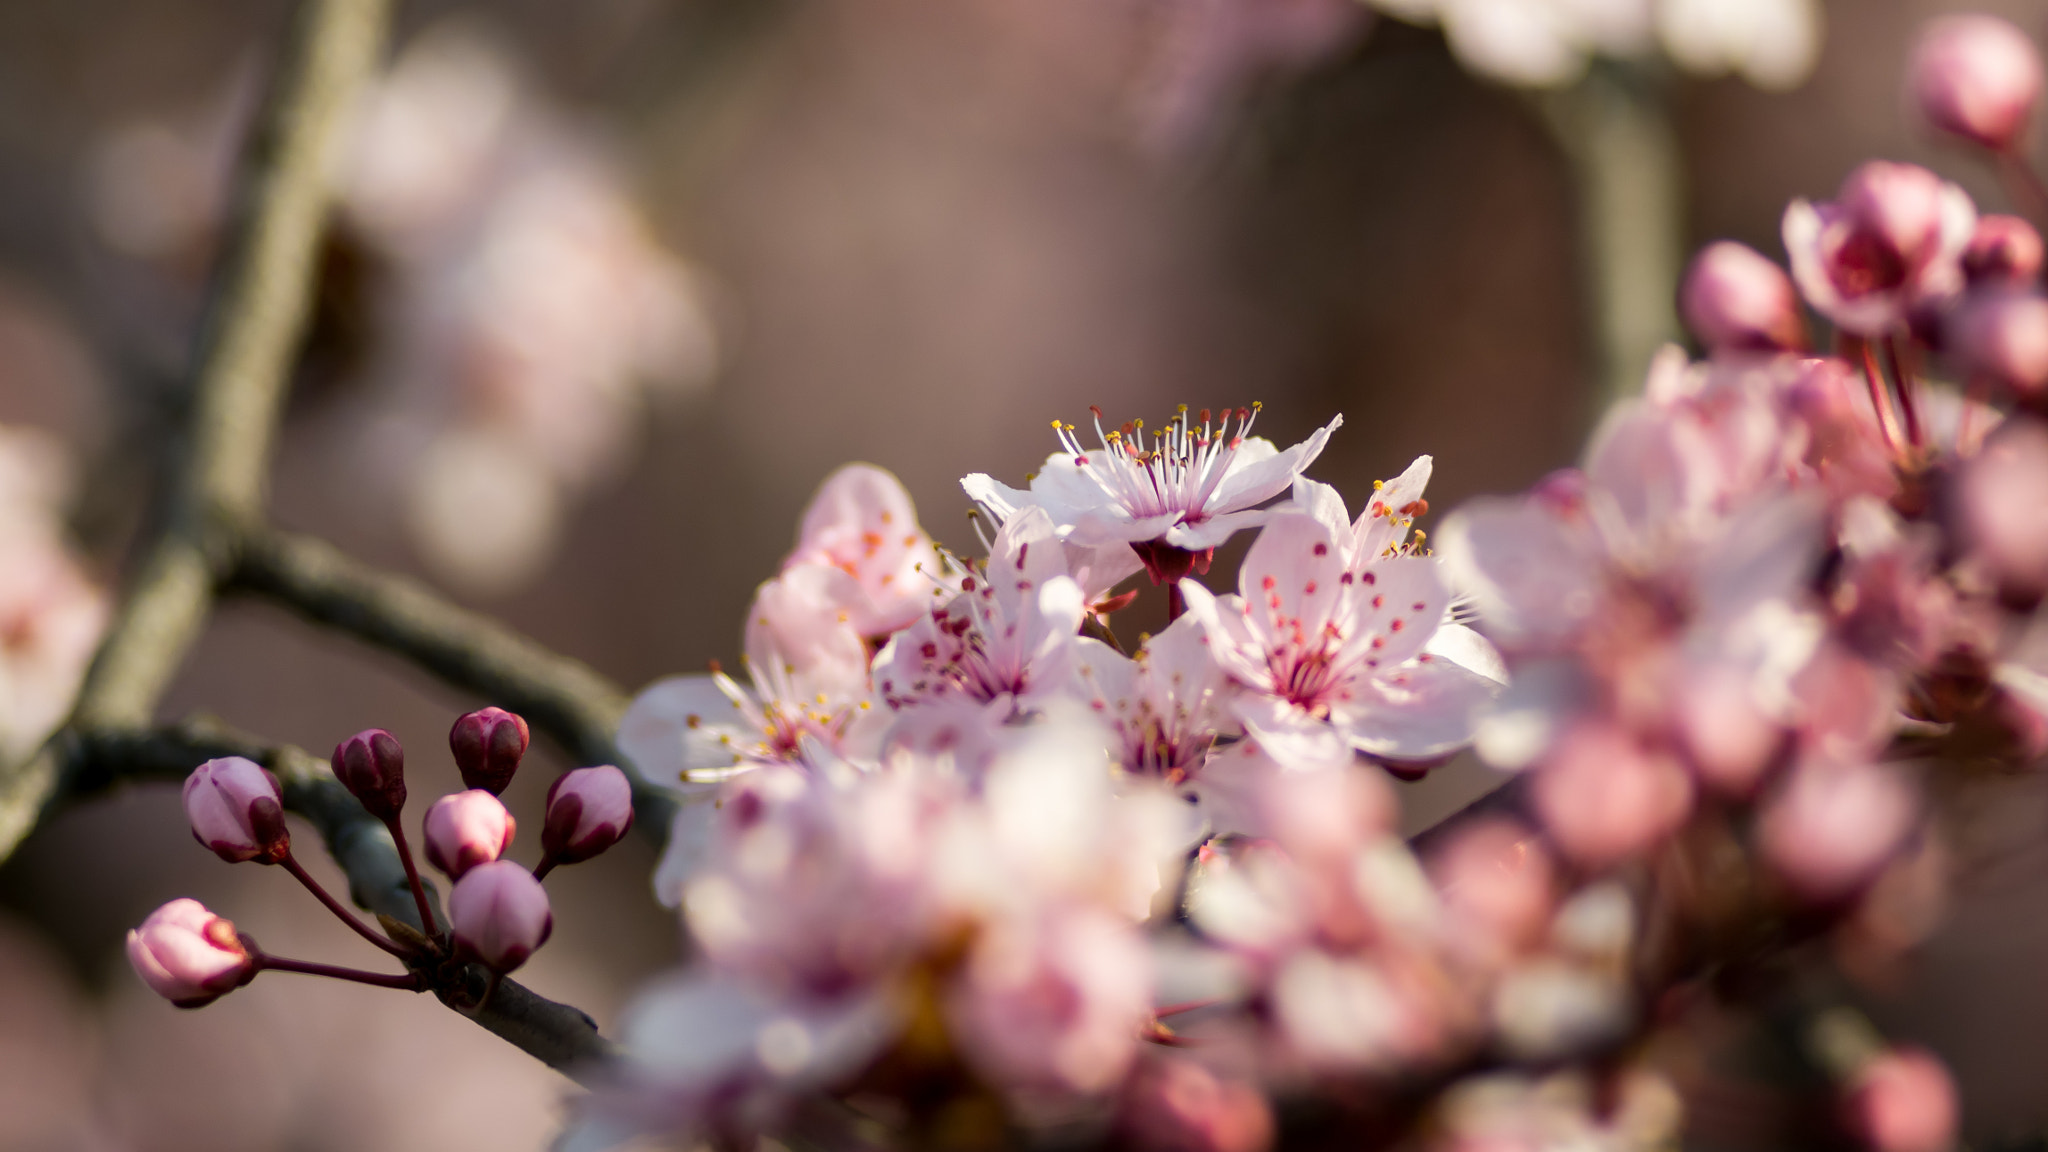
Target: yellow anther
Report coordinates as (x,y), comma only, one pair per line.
(1378,484)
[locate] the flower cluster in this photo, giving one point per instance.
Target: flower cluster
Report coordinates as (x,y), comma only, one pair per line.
(958,863)
(973,863)
(498,913)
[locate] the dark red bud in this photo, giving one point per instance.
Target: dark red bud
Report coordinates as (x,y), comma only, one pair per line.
(488,745)
(371,764)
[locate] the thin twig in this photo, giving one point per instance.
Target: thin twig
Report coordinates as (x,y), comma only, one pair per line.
(256,318)
(560,696)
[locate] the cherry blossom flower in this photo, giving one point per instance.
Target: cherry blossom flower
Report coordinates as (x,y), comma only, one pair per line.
(863,524)
(1332,660)
(1549,43)
(807,691)
(1173,497)
(1892,239)
(1165,706)
(1009,640)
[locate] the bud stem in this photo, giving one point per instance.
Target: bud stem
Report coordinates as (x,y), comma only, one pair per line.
(1880,398)
(292,866)
(1904,384)
(409,982)
(1175,605)
(546,865)
(412,876)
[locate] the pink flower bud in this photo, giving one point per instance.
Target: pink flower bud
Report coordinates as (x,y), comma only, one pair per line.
(1604,797)
(1736,300)
(1177,1105)
(488,744)
(1976,77)
(188,955)
(1832,827)
(2003,336)
(2003,250)
(589,810)
(1904,1101)
(372,764)
(465,830)
(500,915)
(237,810)
(2003,498)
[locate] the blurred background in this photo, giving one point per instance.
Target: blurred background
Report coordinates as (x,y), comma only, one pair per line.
(616,283)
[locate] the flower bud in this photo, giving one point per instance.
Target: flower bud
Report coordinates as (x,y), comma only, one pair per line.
(589,810)
(188,955)
(487,744)
(372,764)
(1904,1101)
(237,810)
(1833,827)
(1976,77)
(2003,250)
(2003,336)
(499,914)
(1736,300)
(2003,506)
(465,830)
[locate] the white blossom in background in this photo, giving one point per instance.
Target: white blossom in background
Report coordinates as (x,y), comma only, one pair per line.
(526,315)
(535,315)
(1772,44)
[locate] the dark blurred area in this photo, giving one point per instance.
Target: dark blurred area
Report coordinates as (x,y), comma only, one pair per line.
(910,232)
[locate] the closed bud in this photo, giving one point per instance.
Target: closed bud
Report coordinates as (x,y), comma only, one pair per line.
(188,955)
(1904,1101)
(372,765)
(488,744)
(1736,300)
(499,914)
(1976,77)
(1832,828)
(2003,250)
(465,830)
(2002,507)
(589,810)
(2002,336)
(237,810)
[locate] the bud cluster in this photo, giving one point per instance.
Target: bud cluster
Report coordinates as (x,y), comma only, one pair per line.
(498,913)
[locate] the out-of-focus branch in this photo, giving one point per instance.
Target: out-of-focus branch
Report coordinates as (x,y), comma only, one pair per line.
(562,697)
(255,320)
(1614,128)
(93,760)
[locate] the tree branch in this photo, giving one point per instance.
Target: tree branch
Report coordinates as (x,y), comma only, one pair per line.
(255,320)
(563,697)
